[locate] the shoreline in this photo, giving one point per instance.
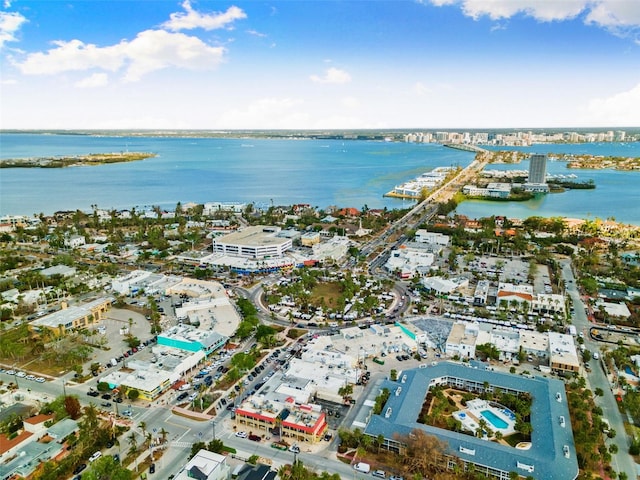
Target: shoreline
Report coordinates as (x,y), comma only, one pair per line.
(63,161)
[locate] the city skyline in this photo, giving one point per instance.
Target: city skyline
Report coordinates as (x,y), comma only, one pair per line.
(320,65)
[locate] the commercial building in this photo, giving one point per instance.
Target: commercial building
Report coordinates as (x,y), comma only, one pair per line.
(297,422)
(563,356)
(191,339)
(74,317)
(256,242)
(205,465)
(142,280)
(549,455)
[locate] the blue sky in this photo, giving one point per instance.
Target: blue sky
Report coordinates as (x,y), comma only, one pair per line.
(319,64)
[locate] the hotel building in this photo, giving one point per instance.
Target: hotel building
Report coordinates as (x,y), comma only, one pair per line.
(257,242)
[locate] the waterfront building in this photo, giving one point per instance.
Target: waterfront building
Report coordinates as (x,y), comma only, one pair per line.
(538,168)
(549,455)
(256,242)
(492,190)
(537,181)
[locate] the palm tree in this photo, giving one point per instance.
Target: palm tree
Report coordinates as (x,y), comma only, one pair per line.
(133,443)
(143,427)
(163,435)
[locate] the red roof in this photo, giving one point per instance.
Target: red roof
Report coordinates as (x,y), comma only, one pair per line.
(38,419)
(524,296)
(6,444)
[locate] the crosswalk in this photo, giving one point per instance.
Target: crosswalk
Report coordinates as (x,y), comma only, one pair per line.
(180,444)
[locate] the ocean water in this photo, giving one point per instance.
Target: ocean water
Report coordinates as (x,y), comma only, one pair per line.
(283,172)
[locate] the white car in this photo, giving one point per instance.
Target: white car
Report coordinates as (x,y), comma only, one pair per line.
(40,380)
(241,434)
(95,456)
(30,377)
(21,374)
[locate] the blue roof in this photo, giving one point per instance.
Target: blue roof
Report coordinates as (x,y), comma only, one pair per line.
(548,437)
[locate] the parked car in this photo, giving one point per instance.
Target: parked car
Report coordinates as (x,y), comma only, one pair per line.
(255,438)
(95,456)
(79,468)
(241,434)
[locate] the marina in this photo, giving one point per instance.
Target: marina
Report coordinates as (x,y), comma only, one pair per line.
(424,183)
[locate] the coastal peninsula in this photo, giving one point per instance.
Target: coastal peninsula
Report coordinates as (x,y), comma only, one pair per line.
(581,161)
(90,159)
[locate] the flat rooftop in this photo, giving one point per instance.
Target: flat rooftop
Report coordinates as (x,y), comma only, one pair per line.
(545,459)
(254,236)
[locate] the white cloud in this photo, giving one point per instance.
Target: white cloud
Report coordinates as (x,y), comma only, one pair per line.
(615,14)
(421,89)
(93,81)
(621,109)
(255,33)
(606,13)
(191,19)
(350,102)
(332,75)
(8,81)
(10,23)
(272,111)
(151,50)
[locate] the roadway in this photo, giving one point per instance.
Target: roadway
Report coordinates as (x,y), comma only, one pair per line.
(597,378)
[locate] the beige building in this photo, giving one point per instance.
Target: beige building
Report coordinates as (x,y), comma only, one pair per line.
(74,317)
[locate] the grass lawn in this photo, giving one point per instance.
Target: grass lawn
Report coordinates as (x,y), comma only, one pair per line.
(330,291)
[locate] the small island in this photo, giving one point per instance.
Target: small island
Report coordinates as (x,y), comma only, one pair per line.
(90,159)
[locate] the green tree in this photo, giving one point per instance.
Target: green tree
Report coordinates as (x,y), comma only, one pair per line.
(133,394)
(106,468)
(243,361)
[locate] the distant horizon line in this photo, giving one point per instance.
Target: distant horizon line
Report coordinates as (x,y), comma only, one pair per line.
(392,129)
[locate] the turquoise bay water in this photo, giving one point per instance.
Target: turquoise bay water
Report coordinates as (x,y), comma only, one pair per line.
(617,193)
(318,172)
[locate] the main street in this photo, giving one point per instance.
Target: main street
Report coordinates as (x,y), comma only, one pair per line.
(597,378)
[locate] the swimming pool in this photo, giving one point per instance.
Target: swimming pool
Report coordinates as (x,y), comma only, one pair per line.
(493,419)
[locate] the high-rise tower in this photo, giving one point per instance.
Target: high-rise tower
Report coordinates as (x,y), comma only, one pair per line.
(538,169)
